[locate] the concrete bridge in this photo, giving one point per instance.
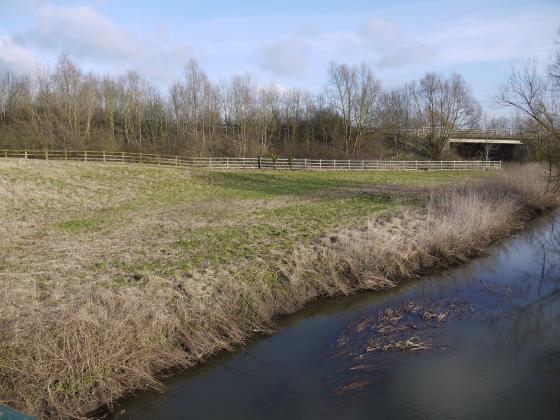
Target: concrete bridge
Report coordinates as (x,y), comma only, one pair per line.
(501,142)
(492,136)
(484,136)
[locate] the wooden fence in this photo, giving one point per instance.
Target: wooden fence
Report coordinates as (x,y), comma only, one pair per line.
(250,163)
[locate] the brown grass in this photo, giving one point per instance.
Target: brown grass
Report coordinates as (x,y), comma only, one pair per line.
(67,348)
(458,223)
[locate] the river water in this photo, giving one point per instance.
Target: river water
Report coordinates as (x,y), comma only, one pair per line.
(480,342)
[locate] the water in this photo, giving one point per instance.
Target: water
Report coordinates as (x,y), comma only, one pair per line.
(497,356)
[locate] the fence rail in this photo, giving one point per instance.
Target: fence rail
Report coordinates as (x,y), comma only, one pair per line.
(249,163)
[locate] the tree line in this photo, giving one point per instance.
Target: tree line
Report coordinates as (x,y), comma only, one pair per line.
(67,108)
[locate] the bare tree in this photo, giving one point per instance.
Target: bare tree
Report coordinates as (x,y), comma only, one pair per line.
(554,67)
(268,109)
(66,86)
(6,91)
(443,105)
(292,116)
(537,96)
(155,119)
(109,93)
(132,99)
(534,95)
(353,92)
(240,106)
(397,118)
(179,110)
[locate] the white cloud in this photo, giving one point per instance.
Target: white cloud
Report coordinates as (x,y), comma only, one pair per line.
(92,39)
(380,34)
(165,64)
(16,57)
(464,41)
(285,57)
(408,54)
(391,48)
(478,40)
(82,31)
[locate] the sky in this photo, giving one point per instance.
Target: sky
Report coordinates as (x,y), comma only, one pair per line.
(289,42)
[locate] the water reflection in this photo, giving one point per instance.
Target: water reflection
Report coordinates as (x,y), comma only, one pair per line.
(502,361)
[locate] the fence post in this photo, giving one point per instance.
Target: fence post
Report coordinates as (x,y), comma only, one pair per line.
(416,165)
(348,163)
(140,157)
(25,153)
(85,156)
(454,165)
(304,163)
(210,161)
(104,160)
(6,154)
(46,155)
(334,163)
(441,165)
(320,164)
(259,163)
(227,162)
(65,154)
(176,161)
(122,157)
(363,165)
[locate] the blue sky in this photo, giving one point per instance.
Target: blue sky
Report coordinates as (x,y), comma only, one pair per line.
(286,42)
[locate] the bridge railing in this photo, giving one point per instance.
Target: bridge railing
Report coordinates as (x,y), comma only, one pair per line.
(482,132)
(499,133)
(249,162)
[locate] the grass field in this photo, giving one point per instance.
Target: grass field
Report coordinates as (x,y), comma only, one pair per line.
(116,221)
(111,274)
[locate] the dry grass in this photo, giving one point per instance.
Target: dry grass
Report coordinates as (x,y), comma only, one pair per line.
(457,224)
(75,336)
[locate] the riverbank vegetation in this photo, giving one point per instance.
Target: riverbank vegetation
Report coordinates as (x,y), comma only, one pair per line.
(113,274)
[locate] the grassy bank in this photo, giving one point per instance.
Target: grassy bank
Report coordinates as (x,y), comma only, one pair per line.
(112,274)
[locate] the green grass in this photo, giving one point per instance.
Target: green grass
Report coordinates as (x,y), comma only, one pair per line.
(167,220)
(267,184)
(271,232)
(80,225)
